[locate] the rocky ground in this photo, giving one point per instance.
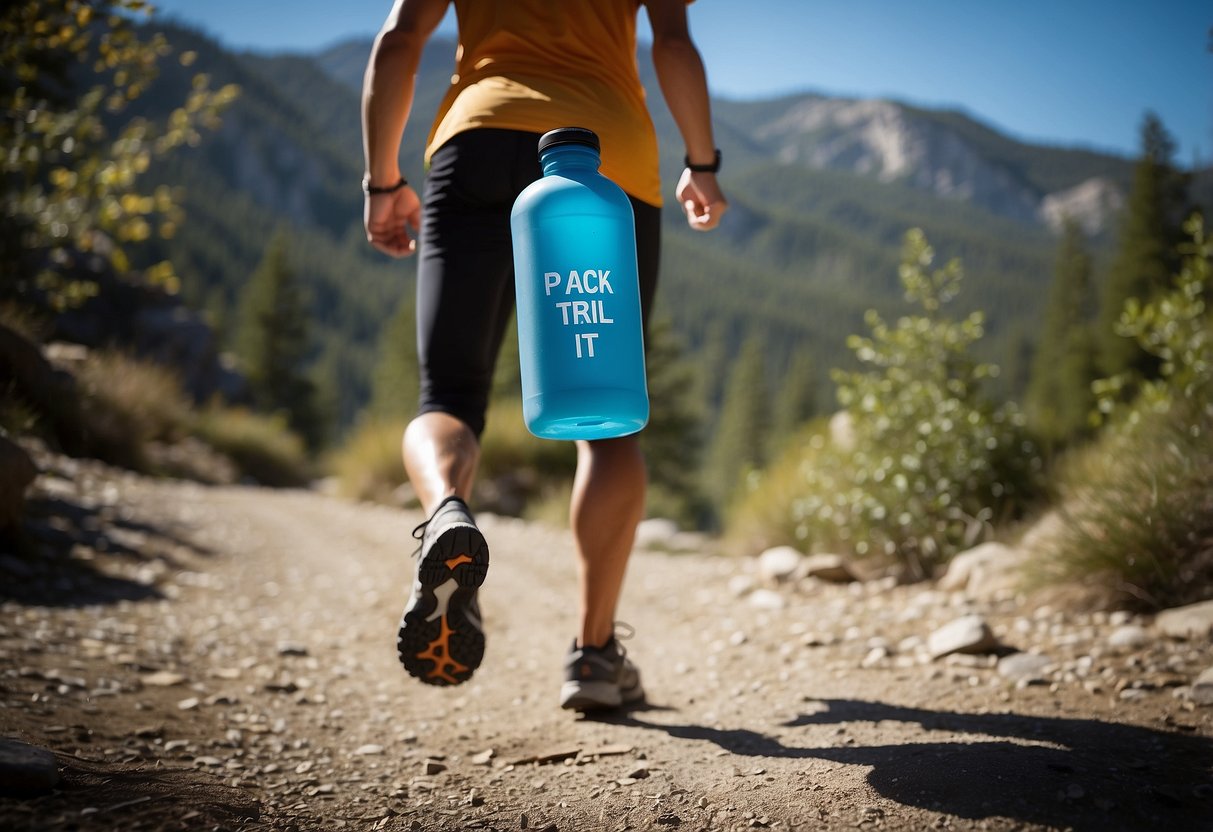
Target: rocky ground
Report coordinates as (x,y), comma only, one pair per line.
(223,658)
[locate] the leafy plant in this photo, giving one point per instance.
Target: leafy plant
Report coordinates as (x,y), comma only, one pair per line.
(1138,504)
(71,176)
(932,461)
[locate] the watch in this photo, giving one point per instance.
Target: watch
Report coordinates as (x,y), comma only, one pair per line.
(369,189)
(711,167)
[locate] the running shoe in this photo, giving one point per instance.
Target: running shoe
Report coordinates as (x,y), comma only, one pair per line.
(441,638)
(598,678)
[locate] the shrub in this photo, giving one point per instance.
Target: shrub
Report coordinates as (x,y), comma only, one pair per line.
(262,447)
(128,403)
(933,461)
(1138,503)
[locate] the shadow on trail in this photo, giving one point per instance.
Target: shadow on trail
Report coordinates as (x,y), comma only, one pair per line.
(65,554)
(1084,774)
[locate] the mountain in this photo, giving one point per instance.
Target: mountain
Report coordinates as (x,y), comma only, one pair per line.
(822,190)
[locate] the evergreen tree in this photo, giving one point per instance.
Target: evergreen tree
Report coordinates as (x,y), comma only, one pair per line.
(395,380)
(739,443)
(795,401)
(1059,400)
(1146,257)
(673,438)
(272,342)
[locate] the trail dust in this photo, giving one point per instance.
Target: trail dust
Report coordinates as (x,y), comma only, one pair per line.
(223,658)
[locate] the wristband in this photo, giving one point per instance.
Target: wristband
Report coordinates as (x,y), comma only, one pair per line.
(711,167)
(371,190)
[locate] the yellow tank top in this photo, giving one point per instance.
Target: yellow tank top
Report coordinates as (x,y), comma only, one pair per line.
(540,64)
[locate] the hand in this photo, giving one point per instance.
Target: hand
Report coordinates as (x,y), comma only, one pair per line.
(701,199)
(388,219)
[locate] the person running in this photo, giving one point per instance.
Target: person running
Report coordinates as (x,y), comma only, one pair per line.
(523,67)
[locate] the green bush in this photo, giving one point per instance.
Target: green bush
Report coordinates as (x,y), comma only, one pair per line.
(933,461)
(1137,505)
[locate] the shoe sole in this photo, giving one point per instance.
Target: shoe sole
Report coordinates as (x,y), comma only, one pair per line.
(597,696)
(438,642)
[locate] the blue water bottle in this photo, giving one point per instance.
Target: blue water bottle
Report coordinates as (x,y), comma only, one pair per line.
(580,336)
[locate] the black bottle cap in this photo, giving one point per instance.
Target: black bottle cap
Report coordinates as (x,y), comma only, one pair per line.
(569,135)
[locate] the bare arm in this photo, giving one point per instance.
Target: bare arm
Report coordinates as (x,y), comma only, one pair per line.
(387,96)
(685,89)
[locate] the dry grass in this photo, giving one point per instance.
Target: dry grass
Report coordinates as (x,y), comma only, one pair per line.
(1136,510)
(128,403)
(368,465)
(262,447)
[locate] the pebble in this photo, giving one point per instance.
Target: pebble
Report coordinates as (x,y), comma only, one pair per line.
(830,568)
(967,634)
(1129,637)
(766,599)
(1023,666)
(779,564)
(1202,688)
(188,704)
(368,750)
(163,679)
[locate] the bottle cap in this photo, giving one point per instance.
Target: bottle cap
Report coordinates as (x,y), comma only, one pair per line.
(569,135)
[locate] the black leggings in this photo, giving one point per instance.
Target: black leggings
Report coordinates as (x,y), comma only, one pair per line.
(465,276)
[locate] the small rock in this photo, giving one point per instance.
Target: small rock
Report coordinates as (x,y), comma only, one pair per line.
(26,770)
(188,704)
(1195,621)
(209,762)
(655,533)
(1202,688)
(669,819)
(739,585)
(766,599)
(967,634)
(779,564)
(874,657)
(483,758)
(1129,637)
(368,750)
(831,568)
(432,767)
(1019,666)
(163,679)
(292,648)
(640,772)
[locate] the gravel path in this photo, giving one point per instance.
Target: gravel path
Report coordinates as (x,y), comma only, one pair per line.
(224,658)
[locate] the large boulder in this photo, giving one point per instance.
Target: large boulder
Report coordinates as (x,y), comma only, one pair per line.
(984,570)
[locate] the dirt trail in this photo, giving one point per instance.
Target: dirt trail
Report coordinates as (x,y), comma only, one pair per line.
(235,668)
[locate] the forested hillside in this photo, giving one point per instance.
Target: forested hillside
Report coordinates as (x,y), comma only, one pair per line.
(811,242)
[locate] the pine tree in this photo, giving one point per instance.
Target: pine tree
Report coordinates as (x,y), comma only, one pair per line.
(673,438)
(395,380)
(272,341)
(1146,256)
(795,402)
(1059,400)
(739,443)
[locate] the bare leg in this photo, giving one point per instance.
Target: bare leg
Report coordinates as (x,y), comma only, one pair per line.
(440,457)
(607,505)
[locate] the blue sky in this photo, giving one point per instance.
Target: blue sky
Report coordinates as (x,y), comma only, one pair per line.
(1070,72)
